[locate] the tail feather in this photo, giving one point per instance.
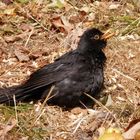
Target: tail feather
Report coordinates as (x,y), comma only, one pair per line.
(7,95)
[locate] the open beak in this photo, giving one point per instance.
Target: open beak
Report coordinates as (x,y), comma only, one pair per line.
(107,35)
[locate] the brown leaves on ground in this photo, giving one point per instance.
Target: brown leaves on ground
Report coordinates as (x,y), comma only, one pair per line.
(133,130)
(4,129)
(34,33)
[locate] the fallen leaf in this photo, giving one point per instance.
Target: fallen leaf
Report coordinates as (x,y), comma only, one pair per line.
(68,27)
(62,24)
(74,19)
(82,14)
(132,132)
(109,101)
(57,22)
(11,124)
(132,123)
(13,38)
(21,55)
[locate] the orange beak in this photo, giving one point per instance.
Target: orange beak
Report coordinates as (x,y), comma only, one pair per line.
(107,35)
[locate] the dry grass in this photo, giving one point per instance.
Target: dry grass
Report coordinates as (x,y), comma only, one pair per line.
(31,30)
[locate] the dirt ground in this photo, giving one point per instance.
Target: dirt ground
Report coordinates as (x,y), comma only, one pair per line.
(34,33)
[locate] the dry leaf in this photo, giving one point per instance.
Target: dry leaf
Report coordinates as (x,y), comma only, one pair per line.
(132,132)
(68,27)
(109,101)
(13,38)
(80,17)
(74,19)
(62,24)
(57,22)
(7,128)
(21,55)
(132,123)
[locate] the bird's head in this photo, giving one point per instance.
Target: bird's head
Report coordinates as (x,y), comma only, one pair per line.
(93,39)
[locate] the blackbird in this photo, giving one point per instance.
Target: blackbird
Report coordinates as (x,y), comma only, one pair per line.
(71,75)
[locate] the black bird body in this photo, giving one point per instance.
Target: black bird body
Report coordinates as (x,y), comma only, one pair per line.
(73,74)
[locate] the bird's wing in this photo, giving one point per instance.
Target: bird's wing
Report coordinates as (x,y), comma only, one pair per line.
(46,76)
(52,73)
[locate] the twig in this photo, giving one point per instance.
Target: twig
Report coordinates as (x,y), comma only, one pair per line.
(78,125)
(127,27)
(48,96)
(28,38)
(42,106)
(30,16)
(126,76)
(15,106)
(100,104)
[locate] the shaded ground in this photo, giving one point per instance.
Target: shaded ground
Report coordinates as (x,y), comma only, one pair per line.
(33,34)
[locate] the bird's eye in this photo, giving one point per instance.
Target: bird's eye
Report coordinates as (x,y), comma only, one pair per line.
(96,37)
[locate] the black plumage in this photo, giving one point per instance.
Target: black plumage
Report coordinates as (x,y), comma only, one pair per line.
(73,74)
